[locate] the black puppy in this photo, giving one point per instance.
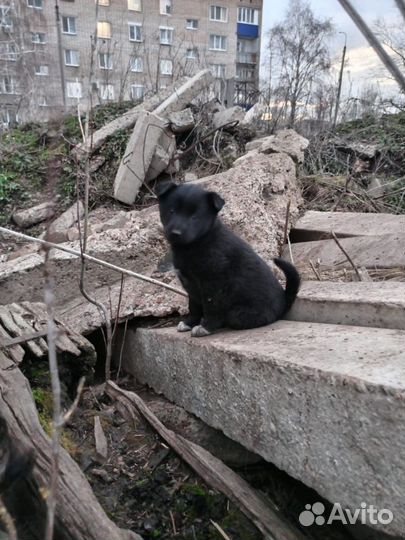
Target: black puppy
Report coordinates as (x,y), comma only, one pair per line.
(228,284)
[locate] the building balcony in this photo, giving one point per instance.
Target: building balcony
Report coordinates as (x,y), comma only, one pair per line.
(246,58)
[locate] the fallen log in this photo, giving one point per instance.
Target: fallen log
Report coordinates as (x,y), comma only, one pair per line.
(266,518)
(79,515)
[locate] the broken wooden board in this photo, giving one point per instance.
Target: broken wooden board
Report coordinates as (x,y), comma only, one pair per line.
(386,251)
(318,225)
(23,327)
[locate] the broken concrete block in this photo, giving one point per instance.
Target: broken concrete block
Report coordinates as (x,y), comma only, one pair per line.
(249,156)
(31,216)
(322,402)
(256,143)
(173,98)
(140,245)
(315,225)
(138,156)
(374,252)
(181,121)
(58,229)
(286,141)
(162,158)
(184,95)
(377,304)
(226,116)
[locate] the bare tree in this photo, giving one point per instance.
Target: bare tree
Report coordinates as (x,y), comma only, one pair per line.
(299,56)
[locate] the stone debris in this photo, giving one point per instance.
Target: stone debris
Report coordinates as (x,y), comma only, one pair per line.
(36,214)
(152,145)
(58,229)
(181,121)
(149,133)
(285,141)
(233,114)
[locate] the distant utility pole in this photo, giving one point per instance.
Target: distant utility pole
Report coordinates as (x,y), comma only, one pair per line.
(60,53)
(371,38)
(339,92)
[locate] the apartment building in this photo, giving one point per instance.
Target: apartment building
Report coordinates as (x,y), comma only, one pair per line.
(48,51)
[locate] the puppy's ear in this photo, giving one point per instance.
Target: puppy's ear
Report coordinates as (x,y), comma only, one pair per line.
(164,188)
(216,200)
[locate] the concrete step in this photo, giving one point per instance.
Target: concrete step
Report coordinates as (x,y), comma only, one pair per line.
(379,304)
(386,251)
(325,403)
(318,225)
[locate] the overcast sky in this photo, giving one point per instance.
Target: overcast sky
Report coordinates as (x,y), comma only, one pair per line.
(363,65)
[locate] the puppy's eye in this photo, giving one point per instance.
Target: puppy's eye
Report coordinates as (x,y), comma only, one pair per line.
(171,210)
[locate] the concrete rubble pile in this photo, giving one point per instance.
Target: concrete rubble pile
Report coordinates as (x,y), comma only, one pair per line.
(134,240)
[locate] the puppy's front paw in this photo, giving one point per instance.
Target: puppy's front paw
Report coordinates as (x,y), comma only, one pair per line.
(200,331)
(183,327)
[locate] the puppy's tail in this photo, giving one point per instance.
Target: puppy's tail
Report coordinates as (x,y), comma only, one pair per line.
(293,281)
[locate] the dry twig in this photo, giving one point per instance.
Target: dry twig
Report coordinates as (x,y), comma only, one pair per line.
(347,256)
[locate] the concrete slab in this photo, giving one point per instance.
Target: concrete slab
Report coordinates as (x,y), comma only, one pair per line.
(325,403)
(318,225)
(385,251)
(379,304)
(138,156)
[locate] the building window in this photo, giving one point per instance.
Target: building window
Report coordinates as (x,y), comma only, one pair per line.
(166,35)
(71,58)
(218,70)
(135,31)
(9,117)
(69,25)
(37,4)
(107,92)
(192,24)
(191,54)
(7,85)
(248,15)
(9,51)
(166,7)
(135,5)
(218,43)
(38,37)
(137,91)
(104,30)
(5,19)
(103,2)
(74,90)
(42,70)
(105,60)
(166,67)
(42,101)
(218,13)
(137,64)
